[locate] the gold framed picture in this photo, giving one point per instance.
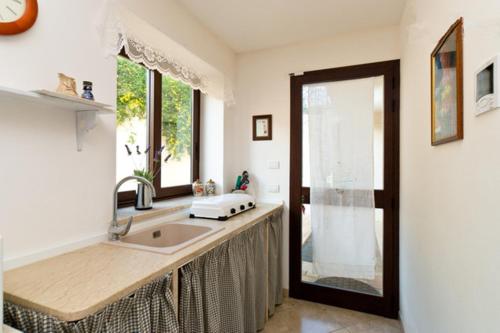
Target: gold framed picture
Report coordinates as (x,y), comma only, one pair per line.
(447,87)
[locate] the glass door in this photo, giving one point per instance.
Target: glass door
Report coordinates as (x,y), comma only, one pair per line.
(344,187)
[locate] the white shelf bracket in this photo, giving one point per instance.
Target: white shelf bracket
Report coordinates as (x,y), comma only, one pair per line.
(85,121)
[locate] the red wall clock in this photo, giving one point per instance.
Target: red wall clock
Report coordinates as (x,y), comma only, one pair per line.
(17,16)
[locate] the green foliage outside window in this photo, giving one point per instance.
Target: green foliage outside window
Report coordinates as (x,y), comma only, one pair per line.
(131,91)
(176,106)
(176,120)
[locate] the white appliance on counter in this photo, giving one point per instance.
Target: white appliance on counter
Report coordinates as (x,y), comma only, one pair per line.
(222,207)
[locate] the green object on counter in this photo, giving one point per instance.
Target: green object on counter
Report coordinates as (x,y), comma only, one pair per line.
(238,183)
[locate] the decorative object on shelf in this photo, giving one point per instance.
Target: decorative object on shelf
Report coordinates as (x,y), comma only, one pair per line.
(488,86)
(144,196)
(447,86)
(242,183)
(17,16)
(87,91)
(262,127)
(67,85)
(210,187)
(198,188)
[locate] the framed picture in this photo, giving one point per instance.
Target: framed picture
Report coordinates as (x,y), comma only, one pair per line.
(447,87)
(262,127)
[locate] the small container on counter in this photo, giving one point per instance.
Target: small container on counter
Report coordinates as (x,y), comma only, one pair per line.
(210,187)
(198,188)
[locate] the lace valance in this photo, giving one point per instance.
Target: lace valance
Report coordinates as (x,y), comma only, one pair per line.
(120,29)
(156,60)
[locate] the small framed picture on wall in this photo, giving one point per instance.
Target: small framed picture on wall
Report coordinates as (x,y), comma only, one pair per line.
(447,86)
(262,127)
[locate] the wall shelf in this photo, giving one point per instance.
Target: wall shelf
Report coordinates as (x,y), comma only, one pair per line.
(85,111)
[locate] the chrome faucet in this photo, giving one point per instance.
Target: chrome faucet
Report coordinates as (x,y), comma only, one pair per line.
(115,230)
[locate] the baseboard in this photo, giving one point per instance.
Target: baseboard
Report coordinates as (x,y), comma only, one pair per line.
(285,292)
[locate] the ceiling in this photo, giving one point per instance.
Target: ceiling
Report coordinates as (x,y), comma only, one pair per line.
(247,25)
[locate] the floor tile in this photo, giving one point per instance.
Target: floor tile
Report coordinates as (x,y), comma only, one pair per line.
(297,316)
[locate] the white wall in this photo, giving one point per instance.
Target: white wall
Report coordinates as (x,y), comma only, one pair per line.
(450,230)
(212,141)
(263,88)
(51,194)
(54,198)
(172,19)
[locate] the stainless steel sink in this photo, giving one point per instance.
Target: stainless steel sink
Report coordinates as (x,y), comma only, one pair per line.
(167,238)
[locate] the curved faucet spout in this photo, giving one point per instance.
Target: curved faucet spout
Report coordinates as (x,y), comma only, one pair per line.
(115,230)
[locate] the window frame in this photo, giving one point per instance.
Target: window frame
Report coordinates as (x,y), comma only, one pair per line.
(154,105)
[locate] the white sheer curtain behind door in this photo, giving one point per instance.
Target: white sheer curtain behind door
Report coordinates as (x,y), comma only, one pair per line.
(341,177)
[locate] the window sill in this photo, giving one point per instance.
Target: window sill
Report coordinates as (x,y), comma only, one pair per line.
(160,208)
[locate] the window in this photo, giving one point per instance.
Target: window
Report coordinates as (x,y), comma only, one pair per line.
(157,130)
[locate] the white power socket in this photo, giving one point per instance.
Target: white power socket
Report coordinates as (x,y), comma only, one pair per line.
(273,188)
(273,164)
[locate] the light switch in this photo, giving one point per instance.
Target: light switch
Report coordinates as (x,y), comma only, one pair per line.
(273,188)
(273,164)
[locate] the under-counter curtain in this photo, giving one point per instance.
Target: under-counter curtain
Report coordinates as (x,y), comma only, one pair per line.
(275,278)
(225,290)
(149,309)
(341,177)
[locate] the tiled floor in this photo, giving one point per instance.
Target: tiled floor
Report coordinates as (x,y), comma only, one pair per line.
(296,316)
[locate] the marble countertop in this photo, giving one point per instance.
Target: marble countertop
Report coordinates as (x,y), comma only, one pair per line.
(77,284)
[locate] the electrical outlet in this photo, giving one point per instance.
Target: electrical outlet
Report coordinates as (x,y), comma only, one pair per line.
(273,188)
(273,164)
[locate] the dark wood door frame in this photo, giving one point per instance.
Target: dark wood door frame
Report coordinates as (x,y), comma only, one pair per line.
(388,198)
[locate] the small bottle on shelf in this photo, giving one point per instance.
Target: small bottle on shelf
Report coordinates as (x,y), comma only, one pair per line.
(87,90)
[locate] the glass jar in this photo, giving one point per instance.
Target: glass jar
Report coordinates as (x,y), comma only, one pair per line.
(198,188)
(210,187)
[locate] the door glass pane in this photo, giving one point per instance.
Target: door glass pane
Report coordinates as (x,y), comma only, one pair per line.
(131,120)
(176,133)
(306,172)
(378,133)
(378,138)
(372,286)
(342,165)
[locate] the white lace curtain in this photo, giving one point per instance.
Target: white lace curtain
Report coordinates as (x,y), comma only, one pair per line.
(120,29)
(341,177)
(157,60)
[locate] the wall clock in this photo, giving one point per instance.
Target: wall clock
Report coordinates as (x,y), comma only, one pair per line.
(17,16)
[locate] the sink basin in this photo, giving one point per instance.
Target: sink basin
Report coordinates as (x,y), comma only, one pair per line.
(167,238)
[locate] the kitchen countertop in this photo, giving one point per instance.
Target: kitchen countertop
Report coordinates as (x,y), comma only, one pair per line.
(77,284)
